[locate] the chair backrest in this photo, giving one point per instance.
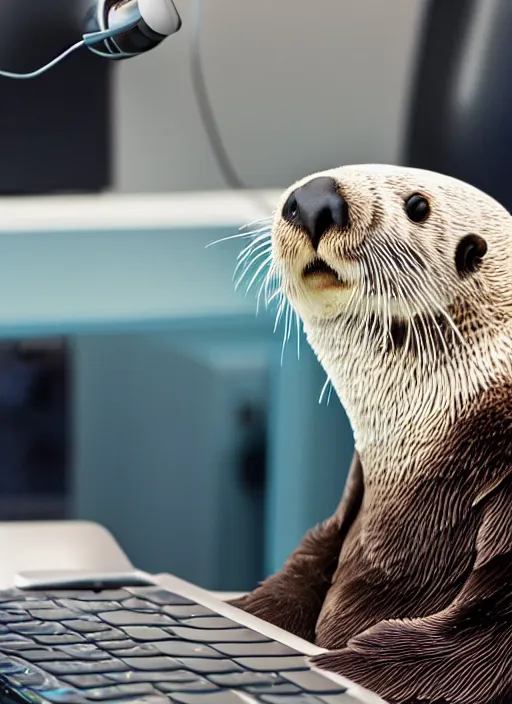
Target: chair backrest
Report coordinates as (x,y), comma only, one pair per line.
(460,119)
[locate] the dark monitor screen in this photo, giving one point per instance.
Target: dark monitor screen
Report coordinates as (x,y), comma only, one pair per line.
(34,430)
(55,129)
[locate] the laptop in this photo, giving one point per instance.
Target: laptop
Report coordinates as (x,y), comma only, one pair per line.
(79,636)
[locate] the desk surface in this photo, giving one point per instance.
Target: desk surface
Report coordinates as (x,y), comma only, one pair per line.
(110,211)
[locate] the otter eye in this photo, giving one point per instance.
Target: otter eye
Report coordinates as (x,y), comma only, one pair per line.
(417,208)
(291,209)
(470,251)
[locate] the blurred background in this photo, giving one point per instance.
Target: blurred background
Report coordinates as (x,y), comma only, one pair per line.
(137,387)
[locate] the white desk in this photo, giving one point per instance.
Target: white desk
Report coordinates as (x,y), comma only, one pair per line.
(63,545)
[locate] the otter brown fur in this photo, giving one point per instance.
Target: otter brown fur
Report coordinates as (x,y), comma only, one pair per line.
(409,583)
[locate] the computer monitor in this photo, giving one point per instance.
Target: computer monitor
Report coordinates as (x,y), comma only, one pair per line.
(55,132)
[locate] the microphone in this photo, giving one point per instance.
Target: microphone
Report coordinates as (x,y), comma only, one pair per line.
(112,29)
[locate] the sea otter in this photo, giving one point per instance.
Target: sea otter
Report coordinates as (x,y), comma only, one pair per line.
(403,281)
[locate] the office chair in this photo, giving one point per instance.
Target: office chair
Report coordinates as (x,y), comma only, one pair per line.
(460,119)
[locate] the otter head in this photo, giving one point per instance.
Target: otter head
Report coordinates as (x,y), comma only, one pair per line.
(403,280)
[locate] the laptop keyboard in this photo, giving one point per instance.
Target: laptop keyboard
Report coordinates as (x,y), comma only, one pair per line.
(147,645)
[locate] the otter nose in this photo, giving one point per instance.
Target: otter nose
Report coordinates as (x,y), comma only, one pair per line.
(316,206)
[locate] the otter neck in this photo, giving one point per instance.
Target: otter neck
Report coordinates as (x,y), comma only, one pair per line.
(387,395)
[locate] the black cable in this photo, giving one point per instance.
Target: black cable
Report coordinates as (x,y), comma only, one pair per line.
(207,115)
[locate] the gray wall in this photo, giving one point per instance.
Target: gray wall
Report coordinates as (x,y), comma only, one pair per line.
(148,457)
(297,86)
(156,444)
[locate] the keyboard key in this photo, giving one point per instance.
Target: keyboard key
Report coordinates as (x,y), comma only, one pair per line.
(157,595)
(43,655)
(64,696)
(150,676)
(238,680)
(32,676)
(39,628)
(140,650)
(148,699)
(82,681)
(207,698)
(339,699)
(112,645)
(179,648)
(136,604)
(136,618)
(283,689)
(254,649)
(215,622)
(146,633)
(228,635)
(52,614)
(209,666)
(89,607)
(291,699)
(18,646)
(102,694)
(184,611)
(157,663)
(7,595)
(28,679)
(85,626)
(196,685)
(11,638)
(83,651)
(313,682)
(107,634)
(84,667)
(33,604)
(281,664)
(10,664)
(61,639)
(14,616)
(89,595)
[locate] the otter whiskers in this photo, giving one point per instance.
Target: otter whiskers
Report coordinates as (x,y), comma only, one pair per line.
(262,251)
(267,254)
(248,251)
(259,252)
(403,253)
(259,248)
(241,235)
(413,289)
(382,302)
(270,285)
(404,298)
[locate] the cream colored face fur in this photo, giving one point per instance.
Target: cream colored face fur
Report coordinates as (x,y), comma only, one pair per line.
(456,337)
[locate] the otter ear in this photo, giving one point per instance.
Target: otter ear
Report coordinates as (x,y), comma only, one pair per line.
(470,251)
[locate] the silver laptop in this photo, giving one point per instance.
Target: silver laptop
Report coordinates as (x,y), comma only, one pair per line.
(76,636)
